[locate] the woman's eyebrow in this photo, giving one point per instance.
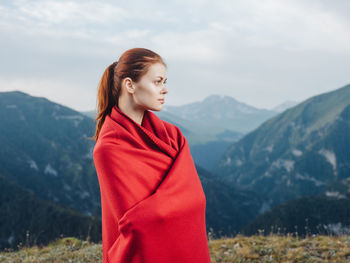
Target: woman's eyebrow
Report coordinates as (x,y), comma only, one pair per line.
(162,77)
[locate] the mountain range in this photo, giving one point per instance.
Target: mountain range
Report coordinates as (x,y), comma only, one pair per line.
(27,219)
(47,166)
(214,123)
(255,165)
(217,117)
(44,147)
(301,151)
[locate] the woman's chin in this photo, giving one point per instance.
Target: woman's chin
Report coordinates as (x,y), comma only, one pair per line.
(156,108)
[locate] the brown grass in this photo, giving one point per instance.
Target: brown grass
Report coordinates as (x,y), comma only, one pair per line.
(259,248)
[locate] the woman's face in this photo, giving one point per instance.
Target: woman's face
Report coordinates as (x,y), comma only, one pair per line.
(150,89)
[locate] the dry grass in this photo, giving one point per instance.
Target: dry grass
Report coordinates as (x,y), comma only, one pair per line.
(259,248)
(63,250)
(276,248)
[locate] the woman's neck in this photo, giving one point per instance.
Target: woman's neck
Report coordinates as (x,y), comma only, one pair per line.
(130,110)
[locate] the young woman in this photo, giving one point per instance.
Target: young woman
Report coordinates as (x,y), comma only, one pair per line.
(153,204)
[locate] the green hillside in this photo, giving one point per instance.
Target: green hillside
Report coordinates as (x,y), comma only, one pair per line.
(228,208)
(299,152)
(305,215)
(44,148)
(27,219)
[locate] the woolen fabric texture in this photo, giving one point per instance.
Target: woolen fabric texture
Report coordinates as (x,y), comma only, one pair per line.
(153,203)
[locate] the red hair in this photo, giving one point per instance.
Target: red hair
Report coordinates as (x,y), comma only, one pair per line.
(133,63)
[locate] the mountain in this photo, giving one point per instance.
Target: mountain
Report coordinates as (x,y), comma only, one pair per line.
(208,154)
(91,114)
(215,123)
(217,117)
(22,211)
(222,111)
(45,148)
(211,125)
(299,152)
(339,189)
(305,215)
(285,105)
(46,163)
(228,208)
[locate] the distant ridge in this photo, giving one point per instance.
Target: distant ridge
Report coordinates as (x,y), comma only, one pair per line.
(301,151)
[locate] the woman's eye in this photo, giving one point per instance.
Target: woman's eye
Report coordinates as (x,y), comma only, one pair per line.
(158,81)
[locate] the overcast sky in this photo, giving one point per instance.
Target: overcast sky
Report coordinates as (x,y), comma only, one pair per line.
(259,52)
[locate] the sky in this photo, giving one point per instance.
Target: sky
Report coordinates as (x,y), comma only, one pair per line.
(259,52)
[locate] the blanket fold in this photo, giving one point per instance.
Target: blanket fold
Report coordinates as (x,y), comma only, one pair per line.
(153,204)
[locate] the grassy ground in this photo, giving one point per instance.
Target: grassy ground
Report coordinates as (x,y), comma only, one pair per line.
(259,248)
(274,248)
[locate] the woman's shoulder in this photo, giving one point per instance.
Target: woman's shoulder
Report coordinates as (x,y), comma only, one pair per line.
(109,129)
(108,136)
(171,126)
(174,132)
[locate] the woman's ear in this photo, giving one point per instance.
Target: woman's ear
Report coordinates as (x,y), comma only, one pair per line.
(128,84)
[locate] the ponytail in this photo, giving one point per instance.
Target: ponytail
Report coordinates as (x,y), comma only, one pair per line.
(107,97)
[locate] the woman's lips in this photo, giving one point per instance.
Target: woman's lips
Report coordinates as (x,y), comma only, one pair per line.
(161,100)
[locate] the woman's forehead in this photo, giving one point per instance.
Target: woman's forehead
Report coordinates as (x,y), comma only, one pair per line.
(156,70)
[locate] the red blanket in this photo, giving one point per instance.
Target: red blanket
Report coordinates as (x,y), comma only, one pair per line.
(153,204)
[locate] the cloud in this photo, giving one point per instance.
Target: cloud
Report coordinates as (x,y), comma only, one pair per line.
(238,48)
(58,91)
(67,13)
(59,19)
(288,24)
